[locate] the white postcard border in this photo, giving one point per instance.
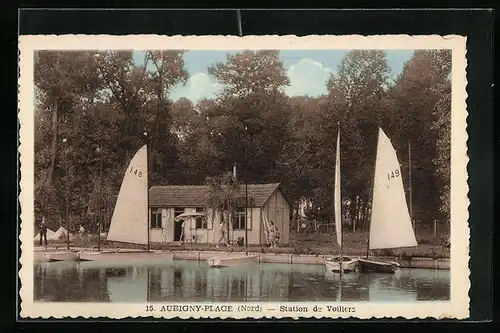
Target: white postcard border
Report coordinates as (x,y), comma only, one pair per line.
(457,307)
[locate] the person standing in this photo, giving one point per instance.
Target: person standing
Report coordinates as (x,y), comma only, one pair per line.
(181,237)
(271,232)
(276,236)
(43,232)
(222,238)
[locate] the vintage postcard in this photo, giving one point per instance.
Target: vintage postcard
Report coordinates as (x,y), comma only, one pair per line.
(243,177)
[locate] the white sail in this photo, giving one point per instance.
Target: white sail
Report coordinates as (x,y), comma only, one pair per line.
(129,223)
(337,197)
(391,225)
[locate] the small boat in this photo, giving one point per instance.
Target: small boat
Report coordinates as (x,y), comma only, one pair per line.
(339,264)
(370,266)
(124,256)
(348,264)
(390,223)
(63,256)
(231,261)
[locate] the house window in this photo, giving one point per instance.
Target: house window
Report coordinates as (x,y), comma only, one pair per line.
(156,218)
(178,211)
(201,221)
(239,219)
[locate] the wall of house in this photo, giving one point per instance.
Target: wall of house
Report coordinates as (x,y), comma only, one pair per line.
(211,234)
(156,233)
(277,210)
(253,220)
(168,222)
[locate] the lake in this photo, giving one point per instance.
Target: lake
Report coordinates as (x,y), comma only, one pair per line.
(181,281)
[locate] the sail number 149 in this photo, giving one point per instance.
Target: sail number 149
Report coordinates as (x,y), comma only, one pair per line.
(136,171)
(393,174)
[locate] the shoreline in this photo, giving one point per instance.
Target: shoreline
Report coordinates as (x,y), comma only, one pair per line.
(121,254)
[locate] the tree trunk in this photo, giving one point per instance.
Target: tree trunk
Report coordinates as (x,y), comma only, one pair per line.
(297,215)
(55,109)
(359,217)
(353,208)
(366,219)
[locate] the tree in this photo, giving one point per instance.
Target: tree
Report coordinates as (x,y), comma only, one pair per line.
(167,71)
(64,83)
(63,80)
(251,111)
(298,164)
(222,196)
(421,113)
(250,72)
(184,118)
(89,97)
(355,104)
(127,91)
(442,161)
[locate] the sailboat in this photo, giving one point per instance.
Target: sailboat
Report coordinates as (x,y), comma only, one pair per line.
(130,221)
(390,223)
(339,264)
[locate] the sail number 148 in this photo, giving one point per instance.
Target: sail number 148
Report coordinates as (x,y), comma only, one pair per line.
(136,171)
(393,174)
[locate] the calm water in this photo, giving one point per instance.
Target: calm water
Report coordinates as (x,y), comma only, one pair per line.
(195,281)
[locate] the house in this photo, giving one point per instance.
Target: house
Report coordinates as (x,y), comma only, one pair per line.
(267,202)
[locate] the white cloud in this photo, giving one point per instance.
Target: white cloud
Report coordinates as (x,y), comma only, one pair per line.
(198,86)
(307,77)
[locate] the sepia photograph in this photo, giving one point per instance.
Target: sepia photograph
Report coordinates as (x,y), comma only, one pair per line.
(253,179)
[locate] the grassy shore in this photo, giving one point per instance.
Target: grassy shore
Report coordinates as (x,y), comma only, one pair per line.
(354,245)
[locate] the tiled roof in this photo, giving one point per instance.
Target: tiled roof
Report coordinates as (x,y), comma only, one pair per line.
(194,195)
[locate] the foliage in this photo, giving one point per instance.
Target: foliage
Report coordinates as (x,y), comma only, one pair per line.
(111,97)
(222,196)
(250,72)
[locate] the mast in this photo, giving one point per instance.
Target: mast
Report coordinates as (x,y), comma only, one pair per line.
(409,181)
(67,189)
(371,190)
(101,205)
(67,205)
(340,214)
(370,222)
(246,194)
(147,195)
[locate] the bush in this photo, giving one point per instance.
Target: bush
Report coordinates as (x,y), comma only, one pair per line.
(406,256)
(430,239)
(305,250)
(386,253)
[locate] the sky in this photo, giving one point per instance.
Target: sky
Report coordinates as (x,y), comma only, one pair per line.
(308,70)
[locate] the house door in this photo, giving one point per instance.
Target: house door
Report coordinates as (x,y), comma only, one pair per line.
(178,231)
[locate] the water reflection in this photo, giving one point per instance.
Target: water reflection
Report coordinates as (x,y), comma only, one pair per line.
(193,281)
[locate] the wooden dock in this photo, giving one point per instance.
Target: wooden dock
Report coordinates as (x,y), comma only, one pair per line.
(123,255)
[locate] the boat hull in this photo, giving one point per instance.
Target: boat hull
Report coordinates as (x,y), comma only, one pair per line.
(63,256)
(125,256)
(348,265)
(370,266)
(231,261)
